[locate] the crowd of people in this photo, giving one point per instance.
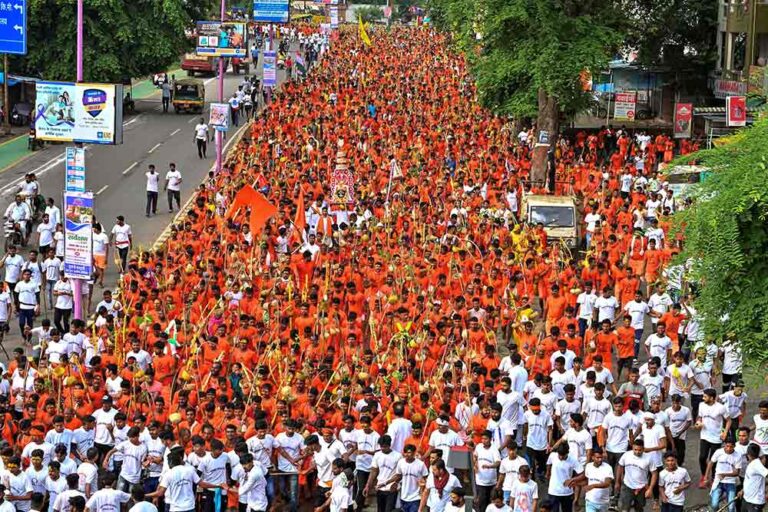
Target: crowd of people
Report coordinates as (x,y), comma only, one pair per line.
(401,340)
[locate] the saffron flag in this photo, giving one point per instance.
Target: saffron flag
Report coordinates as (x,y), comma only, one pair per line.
(363,33)
(261,209)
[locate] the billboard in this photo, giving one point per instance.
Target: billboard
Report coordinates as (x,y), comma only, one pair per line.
(683,120)
(270,69)
(334,11)
(74,165)
(624,107)
(70,112)
(78,234)
(220,116)
(271,11)
(736,110)
(222,39)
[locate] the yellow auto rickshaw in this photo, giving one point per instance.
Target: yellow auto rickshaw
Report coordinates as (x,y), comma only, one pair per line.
(188,95)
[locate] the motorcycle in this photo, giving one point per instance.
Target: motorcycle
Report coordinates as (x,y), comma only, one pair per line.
(13,234)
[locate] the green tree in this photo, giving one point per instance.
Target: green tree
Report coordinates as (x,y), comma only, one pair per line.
(726,240)
(528,55)
(370,13)
(120,38)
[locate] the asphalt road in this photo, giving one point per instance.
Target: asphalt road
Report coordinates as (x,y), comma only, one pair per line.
(116,173)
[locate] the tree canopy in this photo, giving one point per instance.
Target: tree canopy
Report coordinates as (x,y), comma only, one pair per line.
(121,38)
(726,241)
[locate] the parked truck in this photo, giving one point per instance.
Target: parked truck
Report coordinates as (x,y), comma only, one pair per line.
(193,63)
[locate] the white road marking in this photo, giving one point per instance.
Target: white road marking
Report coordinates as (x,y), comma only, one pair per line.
(192,120)
(155,147)
(126,123)
(134,164)
(102,189)
(174,132)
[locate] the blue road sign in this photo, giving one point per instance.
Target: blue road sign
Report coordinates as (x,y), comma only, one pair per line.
(13,26)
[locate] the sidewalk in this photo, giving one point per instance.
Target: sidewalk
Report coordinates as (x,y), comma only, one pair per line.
(145,88)
(13,151)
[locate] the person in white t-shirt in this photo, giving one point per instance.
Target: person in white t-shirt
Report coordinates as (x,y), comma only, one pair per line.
(410,473)
(563,472)
(673,481)
(153,184)
(45,234)
(599,477)
(723,472)
(201,138)
(381,479)
(107,498)
(173,186)
(122,238)
(754,481)
(177,485)
(486,461)
(710,420)
(438,497)
(635,478)
(524,493)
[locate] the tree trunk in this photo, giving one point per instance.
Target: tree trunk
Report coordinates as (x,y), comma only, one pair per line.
(548,121)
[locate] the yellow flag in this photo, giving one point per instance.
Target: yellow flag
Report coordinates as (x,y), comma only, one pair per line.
(363,33)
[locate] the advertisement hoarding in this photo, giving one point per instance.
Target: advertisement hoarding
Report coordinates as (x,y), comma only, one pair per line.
(683,120)
(222,39)
(70,112)
(220,116)
(74,163)
(78,234)
(271,11)
(270,69)
(334,16)
(624,108)
(736,110)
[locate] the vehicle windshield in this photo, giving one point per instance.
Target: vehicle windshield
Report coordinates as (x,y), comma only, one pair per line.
(552,216)
(187,91)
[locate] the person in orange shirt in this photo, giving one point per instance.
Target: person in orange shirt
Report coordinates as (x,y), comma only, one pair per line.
(625,348)
(554,307)
(672,319)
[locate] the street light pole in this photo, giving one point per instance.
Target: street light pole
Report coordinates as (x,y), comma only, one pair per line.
(219,133)
(77,284)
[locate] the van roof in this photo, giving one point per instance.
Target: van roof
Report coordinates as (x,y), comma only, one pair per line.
(550,200)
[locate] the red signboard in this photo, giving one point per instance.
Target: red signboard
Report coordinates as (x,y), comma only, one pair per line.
(683,120)
(736,110)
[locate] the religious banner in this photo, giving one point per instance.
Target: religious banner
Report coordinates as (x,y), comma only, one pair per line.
(683,120)
(736,110)
(342,180)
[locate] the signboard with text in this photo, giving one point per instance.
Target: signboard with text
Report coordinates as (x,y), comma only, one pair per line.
(270,69)
(271,11)
(221,39)
(13,27)
(726,88)
(624,107)
(74,163)
(78,234)
(334,16)
(70,112)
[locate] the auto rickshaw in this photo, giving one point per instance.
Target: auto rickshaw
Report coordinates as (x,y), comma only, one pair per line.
(188,95)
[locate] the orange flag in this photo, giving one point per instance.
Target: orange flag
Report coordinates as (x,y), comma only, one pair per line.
(301,214)
(261,209)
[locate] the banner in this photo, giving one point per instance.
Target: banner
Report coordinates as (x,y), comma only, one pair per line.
(334,17)
(75,170)
(726,88)
(220,116)
(270,69)
(683,120)
(624,107)
(78,234)
(69,112)
(222,39)
(271,11)
(736,110)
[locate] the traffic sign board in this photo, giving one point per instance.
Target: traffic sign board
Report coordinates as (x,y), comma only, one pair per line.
(13,26)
